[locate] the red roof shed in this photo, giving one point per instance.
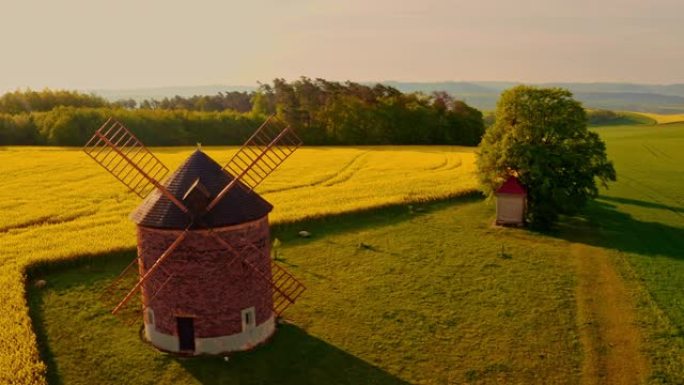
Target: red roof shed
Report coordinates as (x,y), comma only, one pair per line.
(511,199)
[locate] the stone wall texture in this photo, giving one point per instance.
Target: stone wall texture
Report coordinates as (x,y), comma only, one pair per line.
(207,283)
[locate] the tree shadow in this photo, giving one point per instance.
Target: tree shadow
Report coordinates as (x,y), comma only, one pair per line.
(640,203)
(603,225)
(292,356)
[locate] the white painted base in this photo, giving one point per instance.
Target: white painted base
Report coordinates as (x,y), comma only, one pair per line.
(214,345)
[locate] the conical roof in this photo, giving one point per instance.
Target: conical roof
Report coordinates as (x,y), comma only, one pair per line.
(238,206)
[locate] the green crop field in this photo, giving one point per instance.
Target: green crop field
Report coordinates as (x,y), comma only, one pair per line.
(416,292)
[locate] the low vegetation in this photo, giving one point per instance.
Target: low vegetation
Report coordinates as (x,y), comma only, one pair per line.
(64,206)
(641,220)
(511,314)
(430,294)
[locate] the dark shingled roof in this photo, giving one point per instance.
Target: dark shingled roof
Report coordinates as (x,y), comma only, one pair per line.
(238,206)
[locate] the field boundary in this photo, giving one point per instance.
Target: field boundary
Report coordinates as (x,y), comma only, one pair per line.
(42,268)
(46,266)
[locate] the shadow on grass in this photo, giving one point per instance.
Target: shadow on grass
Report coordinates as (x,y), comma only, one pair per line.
(37,314)
(291,357)
(86,270)
(603,225)
(640,203)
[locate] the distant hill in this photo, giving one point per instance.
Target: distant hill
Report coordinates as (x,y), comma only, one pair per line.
(614,96)
(483,95)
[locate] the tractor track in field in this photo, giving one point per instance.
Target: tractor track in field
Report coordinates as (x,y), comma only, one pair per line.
(321,181)
(446,165)
(347,166)
(655,151)
(606,320)
(41,221)
(347,172)
(654,194)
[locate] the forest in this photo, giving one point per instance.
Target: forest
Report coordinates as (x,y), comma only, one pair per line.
(322,112)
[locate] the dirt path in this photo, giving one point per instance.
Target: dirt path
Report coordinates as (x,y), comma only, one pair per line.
(606,319)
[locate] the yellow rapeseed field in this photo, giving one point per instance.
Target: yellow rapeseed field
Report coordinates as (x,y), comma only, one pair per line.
(57,205)
(664,118)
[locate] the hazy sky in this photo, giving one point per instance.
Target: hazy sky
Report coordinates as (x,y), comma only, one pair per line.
(142,43)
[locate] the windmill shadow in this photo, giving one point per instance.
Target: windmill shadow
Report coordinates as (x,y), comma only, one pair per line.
(603,225)
(292,356)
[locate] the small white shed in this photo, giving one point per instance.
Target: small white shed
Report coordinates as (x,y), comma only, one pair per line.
(511,199)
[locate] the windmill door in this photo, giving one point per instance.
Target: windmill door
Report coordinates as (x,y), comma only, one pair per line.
(186,334)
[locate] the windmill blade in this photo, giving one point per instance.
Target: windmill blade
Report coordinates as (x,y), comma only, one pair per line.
(123,155)
(285,287)
(150,272)
(261,154)
(154,285)
(120,286)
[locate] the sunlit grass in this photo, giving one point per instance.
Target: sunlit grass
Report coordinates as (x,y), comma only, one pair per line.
(395,296)
(58,204)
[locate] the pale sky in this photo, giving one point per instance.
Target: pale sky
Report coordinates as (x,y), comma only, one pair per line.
(89,44)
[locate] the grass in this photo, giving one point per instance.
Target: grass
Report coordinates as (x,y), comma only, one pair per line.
(431,300)
(395,296)
(62,206)
(641,220)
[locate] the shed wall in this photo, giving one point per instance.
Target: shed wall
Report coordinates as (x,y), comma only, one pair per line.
(510,209)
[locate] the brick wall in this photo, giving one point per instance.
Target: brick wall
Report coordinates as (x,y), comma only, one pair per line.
(208,283)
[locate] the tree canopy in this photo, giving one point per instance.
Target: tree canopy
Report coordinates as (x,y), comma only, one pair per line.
(541,137)
(322,112)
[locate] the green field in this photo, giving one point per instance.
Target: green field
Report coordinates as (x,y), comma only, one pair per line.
(427,298)
(419,294)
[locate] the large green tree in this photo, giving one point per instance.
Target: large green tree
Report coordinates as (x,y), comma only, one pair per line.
(541,136)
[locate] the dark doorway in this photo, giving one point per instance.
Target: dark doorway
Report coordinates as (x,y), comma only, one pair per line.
(186,334)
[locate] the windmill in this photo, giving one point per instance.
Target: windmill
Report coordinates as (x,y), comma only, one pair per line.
(204,273)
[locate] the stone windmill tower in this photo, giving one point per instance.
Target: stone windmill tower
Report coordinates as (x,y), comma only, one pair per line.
(205,275)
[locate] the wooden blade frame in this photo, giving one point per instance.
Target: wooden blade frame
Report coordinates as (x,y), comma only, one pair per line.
(148,274)
(261,154)
(123,155)
(285,287)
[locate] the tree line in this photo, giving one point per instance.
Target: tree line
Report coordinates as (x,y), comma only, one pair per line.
(322,112)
